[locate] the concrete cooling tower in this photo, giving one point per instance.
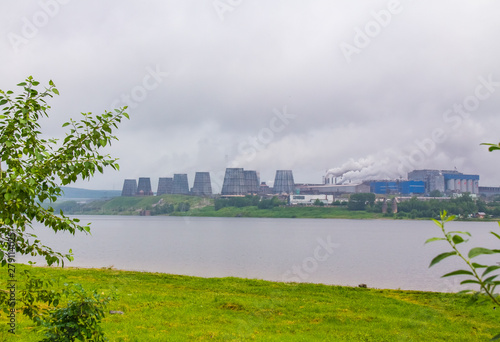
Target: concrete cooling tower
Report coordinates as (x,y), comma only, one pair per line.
(252,182)
(165,185)
(234,182)
(129,187)
(283,182)
(144,187)
(180,184)
(202,185)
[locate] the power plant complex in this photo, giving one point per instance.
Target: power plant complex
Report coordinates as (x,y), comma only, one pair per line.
(240,182)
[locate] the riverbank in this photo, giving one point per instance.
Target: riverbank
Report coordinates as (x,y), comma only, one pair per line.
(160,307)
(183,205)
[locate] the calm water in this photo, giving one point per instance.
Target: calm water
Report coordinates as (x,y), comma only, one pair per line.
(380,253)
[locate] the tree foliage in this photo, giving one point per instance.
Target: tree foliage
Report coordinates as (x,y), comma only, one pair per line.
(361,201)
(34,168)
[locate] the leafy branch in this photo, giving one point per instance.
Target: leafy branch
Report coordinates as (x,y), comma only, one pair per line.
(486,281)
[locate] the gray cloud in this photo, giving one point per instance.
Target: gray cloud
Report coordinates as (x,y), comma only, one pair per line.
(226,78)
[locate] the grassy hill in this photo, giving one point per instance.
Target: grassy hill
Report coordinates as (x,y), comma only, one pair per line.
(132,205)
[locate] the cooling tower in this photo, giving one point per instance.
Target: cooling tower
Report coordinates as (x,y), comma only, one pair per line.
(251,182)
(180,184)
(283,182)
(144,187)
(165,185)
(202,185)
(234,182)
(129,187)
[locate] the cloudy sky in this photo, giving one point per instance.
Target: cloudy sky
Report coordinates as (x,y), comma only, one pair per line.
(378,87)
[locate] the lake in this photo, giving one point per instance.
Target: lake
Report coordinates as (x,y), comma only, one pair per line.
(380,253)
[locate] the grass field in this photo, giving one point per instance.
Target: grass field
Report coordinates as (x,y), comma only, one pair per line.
(283,212)
(162,307)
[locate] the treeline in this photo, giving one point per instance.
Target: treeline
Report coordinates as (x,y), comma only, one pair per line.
(464,206)
(248,201)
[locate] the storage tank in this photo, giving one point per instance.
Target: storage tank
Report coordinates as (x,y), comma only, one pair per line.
(451,184)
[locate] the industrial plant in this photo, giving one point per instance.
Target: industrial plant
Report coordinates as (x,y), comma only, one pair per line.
(240,182)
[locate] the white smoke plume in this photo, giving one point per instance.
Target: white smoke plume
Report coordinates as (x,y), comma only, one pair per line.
(369,168)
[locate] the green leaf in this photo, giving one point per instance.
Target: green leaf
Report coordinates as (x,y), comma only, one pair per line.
(434,239)
(457,239)
(65,124)
(474,252)
(470,281)
(490,269)
(459,272)
(55,91)
(498,236)
(476,265)
(441,257)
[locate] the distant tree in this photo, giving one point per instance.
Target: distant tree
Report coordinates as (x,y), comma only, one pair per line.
(360,201)
(319,202)
(435,193)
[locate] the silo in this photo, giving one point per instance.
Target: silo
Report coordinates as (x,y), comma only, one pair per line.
(458,186)
(202,185)
(144,187)
(451,184)
(251,182)
(476,187)
(129,187)
(470,186)
(464,185)
(165,185)
(283,182)
(180,184)
(234,182)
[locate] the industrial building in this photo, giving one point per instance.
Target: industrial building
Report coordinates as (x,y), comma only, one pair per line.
(446,181)
(202,185)
(283,182)
(489,191)
(311,199)
(349,188)
(397,187)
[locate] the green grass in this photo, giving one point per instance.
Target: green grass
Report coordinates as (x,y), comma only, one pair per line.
(162,307)
(283,212)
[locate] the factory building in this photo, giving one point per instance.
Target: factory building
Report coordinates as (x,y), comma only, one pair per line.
(202,185)
(165,185)
(180,184)
(311,199)
(349,188)
(283,182)
(446,181)
(489,191)
(397,187)
(129,187)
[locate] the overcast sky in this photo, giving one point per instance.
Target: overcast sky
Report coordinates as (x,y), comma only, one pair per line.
(378,87)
